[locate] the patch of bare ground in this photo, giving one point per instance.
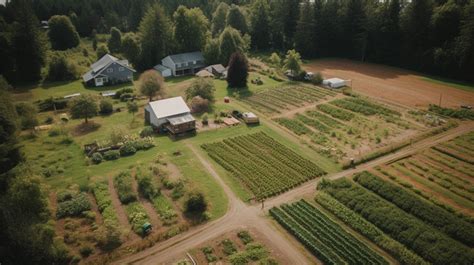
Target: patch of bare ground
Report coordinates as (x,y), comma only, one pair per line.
(391,84)
(85,128)
(120,211)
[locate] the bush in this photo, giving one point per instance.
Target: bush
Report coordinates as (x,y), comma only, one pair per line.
(106,106)
(86,251)
(108,236)
(127,149)
(96,158)
(74,206)
(228,247)
(317,79)
(123,185)
(52,104)
(126,97)
(205,119)
(199,104)
(245,237)
(60,69)
(195,204)
(146,187)
(147,132)
(122,91)
(65,195)
(455,113)
(136,216)
(111,155)
(49,120)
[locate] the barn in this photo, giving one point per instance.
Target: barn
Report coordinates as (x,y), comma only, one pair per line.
(170,115)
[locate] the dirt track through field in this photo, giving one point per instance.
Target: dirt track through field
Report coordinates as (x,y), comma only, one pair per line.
(391,84)
(241,215)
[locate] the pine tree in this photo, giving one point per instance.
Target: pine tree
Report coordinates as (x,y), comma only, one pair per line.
(304,41)
(260,31)
(236,19)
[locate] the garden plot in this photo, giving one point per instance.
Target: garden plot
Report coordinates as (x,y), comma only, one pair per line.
(412,229)
(440,171)
(281,99)
(262,164)
(352,127)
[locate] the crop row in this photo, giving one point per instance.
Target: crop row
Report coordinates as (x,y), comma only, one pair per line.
(380,109)
(104,202)
(429,243)
(326,119)
(453,153)
(346,246)
(352,219)
(137,216)
(313,123)
(265,166)
(425,211)
(293,125)
(336,112)
(449,162)
(123,183)
(363,106)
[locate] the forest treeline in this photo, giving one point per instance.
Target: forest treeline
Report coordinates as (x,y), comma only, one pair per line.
(432,36)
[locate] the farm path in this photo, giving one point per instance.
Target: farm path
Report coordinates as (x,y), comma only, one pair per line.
(241,215)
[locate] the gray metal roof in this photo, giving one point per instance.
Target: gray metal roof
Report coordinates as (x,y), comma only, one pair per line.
(219,68)
(160,68)
(185,118)
(169,107)
(186,57)
(101,64)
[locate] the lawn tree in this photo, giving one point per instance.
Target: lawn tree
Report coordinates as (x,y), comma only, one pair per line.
(101,51)
(190,29)
(293,62)
(156,37)
(114,43)
(131,47)
(196,204)
(219,18)
(260,31)
(236,19)
(84,107)
(132,107)
(150,84)
(106,106)
(237,73)
(62,33)
(230,41)
(203,87)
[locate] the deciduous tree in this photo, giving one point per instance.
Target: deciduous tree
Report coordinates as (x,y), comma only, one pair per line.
(62,33)
(237,73)
(203,87)
(230,42)
(150,84)
(131,47)
(219,18)
(293,62)
(114,43)
(237,20)
(190,29)
(84,107)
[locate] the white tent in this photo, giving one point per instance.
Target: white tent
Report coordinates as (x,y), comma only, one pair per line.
(334,82)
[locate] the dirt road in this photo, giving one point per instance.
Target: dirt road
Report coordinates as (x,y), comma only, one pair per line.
(391,84)
(241,215)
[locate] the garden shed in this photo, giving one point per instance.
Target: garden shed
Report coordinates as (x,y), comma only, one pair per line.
(170,115)
(334,82)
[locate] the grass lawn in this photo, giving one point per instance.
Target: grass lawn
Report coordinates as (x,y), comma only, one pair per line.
(449,82)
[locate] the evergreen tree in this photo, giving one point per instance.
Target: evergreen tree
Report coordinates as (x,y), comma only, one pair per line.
(237,73)
(156,37)
(114,43)
(291,9)
(29,44)
(190,29)
(305,29)
(212,51)
(219,18)
(465,43)
(137,10)
(131,47)
(355,29)
(62,33)
(236,19)
(260,30)
(230,41)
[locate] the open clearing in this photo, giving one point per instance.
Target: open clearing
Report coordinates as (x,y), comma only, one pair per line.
(392,84)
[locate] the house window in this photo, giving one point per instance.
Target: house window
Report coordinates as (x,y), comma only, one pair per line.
(178,65)
(121,69)
(110,70)
(194,62)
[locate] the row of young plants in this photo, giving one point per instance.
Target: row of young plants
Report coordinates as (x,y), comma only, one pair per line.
(449,162)
(335,112)
(423,239)
(454,154)
(313,123)
(364,107)
(265,166)
(427,212)
(293,125)
(436,169)
(104,202)
(356,222)
(346,246)
(72,204)
(310,241)
(333,123)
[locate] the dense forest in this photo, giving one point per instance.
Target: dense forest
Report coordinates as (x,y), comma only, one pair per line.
(431,36)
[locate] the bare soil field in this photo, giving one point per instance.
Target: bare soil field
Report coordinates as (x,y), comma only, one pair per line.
(392,84)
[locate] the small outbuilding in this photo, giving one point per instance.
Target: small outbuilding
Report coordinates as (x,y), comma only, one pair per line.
(334,82)
(204,73)
(170,115)
(216,69)
(163,70)
(250,118)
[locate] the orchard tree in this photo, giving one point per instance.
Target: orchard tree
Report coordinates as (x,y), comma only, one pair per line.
(190,29)
(150,84)
(293,62)
(260,19)
(131,47)
(230,42)
(114,43)
(62,33)
(236,19)
(156,37)
(84,107)
(203,87)
(237,73)
(219,18)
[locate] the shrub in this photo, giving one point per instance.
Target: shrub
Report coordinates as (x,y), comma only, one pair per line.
(147,132)
(317,79)
(108,236)
(127,149)
(126,97)
(199,104)
(205,119)
(195,204)
(73,207)
(245,237)
(106,106)
(119,93)
(123,185)
(96,158)
(136,216)
(202,87)
(111,155)
(146,187)
(228,247)
(60,69)
(65,195)
(27,114)
(455,113)
(86,251)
